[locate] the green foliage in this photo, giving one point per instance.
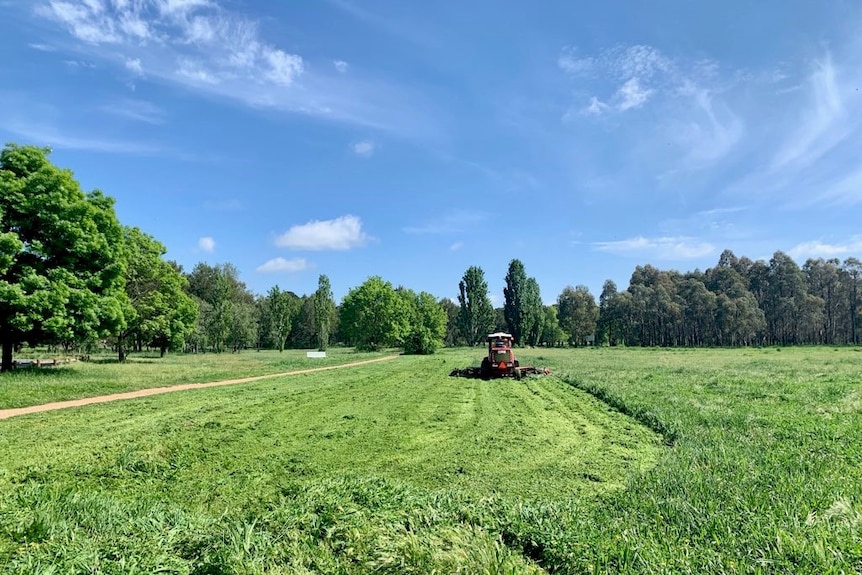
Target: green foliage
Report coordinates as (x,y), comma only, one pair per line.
(324,310)
(160,311)
(476,317)
(578,313)
(453,333)
(61,265)
(534,313)
(514,307)
(280,309)
(427,320)
(552,333)
(374,316)
(228,313)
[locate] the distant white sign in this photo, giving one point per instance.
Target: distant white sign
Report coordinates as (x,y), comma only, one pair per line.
(315,354)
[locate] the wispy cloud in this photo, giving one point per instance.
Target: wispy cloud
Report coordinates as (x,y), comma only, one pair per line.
(456,246)
(339,234)
(664,248)
(571,62)
(632,95)
(46,135)
(134,65)
(634,69)
(454,222)
(364,148)
(341,66)
(810,152)
(819,249)
(690,125)
(41,47)
(206,244)
(138,110)
(282,265)
(596,107)
(823,124)
(209,48)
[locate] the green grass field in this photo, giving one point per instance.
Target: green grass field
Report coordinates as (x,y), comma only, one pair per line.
(104,375)
(628,460)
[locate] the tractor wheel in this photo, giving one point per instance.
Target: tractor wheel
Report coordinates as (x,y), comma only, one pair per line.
(486,369)
(517,372)
(517,364)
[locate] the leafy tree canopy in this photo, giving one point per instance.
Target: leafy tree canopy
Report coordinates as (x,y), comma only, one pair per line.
(61,260)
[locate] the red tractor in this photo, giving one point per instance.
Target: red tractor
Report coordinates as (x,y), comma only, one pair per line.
(500,361)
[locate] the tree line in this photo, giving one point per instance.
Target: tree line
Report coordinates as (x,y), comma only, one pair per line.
(71,275)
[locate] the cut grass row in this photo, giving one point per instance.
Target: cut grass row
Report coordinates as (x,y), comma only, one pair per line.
(396,468)
(103,376)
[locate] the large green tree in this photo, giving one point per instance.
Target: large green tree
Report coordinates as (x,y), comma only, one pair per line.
(161,312)
(61,264)
(324,309)
(534,312)
(514,308)
(229,318)
(281,308)
(427,323)
(453,333)
(578,313)
(476,316)
(374,315)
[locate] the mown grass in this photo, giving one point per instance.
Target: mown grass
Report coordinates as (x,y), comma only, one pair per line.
(104,375)
(388,468)
(753,465)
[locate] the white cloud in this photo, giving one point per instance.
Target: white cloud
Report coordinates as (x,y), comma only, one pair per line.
(339,234)
(363,148)
(456,246)
(818,249)
(822,126)
(42,47)
(665,248)
(341,66)
(209,47)
(596,107)
(571,63)
(282,265)
(134,66)
(284,68)
(206,244)
(704,131)
(632,95)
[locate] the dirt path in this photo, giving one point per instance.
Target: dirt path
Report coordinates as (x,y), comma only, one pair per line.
(7,413)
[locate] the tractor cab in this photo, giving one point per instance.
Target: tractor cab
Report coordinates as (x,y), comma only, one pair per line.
(501,359)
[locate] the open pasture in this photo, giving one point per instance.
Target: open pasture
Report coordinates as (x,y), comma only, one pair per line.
(105,375)
(628,460)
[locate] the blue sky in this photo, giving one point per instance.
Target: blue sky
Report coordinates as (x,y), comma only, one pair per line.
(414,139)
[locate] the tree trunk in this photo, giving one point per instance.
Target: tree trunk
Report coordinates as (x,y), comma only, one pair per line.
(121,351)
(6,364)
(162,350)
